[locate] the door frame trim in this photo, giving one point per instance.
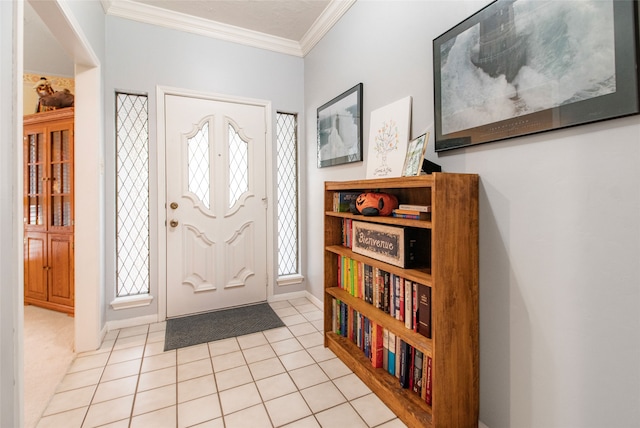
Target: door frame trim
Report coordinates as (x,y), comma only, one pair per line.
(161,92)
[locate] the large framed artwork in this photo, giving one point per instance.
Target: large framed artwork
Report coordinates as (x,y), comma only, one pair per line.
(520,67)
(340,129)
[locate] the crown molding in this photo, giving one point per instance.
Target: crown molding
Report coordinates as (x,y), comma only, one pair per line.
(324,23)
(106,4)
(149,14)
(178,21)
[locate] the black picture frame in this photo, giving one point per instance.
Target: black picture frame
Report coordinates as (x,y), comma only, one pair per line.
(340,129)
(589,73)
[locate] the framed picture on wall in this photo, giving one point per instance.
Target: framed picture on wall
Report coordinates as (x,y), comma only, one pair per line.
(340,129)
(388,138)
(520,67)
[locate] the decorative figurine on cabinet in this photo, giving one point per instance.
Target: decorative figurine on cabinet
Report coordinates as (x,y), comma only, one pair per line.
(50,99)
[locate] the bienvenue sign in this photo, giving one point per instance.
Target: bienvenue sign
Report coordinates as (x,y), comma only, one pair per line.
(384,243)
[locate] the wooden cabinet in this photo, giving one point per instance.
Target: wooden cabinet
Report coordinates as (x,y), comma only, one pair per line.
(48,210)
(453,281)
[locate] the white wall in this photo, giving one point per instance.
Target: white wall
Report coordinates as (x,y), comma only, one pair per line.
(11,271)
(139,58)
(559,231)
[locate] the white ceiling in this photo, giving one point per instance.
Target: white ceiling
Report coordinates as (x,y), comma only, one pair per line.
(289,19)
(287,26)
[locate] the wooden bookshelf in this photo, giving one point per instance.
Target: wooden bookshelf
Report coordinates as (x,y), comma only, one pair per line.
(453,278)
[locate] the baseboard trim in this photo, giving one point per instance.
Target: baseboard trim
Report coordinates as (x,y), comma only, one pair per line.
(132,322)
(296,295)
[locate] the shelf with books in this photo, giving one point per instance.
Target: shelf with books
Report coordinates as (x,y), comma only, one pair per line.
(421,275)
(395,326)
(451,277)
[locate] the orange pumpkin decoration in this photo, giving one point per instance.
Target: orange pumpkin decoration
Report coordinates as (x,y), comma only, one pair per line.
(375,204)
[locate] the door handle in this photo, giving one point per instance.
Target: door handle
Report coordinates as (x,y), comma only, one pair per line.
(173,223)
(174,205)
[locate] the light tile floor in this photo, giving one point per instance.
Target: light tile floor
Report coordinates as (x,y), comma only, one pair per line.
(277,378)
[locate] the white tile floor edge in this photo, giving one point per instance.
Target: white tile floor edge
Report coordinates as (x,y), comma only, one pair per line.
(277,378)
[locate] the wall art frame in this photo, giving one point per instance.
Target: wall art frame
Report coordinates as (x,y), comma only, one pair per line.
(491,81)
(339,127)
(389,128)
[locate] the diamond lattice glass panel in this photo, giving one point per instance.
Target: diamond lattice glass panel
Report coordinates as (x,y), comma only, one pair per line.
(287,179)
(238,166)
(198,147)
(132,201)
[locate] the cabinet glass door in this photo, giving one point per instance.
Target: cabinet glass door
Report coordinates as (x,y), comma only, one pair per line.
(61,177)
(35,180)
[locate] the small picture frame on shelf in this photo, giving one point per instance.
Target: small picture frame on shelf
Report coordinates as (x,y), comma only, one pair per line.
(415,154)
(340,129)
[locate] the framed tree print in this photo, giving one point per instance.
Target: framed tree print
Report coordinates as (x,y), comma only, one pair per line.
(388,139)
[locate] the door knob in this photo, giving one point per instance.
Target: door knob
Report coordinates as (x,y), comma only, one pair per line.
(173,223)
(174,205)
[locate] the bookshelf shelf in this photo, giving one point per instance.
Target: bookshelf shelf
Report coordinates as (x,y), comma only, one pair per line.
(453,280)
(397,327)
(421,224)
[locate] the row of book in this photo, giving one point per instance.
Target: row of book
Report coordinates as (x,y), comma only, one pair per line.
(405,300)
(385,350)
(347,233)
(342,200)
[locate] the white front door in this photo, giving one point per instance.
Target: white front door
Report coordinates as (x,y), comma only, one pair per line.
(216,204)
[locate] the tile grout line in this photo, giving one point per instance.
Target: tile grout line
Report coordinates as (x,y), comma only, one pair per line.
(135,392)
(104,368)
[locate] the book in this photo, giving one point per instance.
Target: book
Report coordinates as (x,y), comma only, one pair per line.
(424,310)
(344,321)
(408,304)
(347,226)
(414,307)
(376,288)
(421,208)
(342,201)
(400,316)
(398,357)
(405,363)
(368,275)
(427,382)
(386,294)
(353,324)
(392,354)
(411,215)
(396,295)
(392,295)
(367,337)
(417,371)
(385,349)
(377,345)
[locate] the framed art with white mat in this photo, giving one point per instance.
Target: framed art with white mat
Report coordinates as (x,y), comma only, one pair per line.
(388,139)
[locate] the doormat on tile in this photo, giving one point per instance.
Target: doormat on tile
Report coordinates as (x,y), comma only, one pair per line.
(208,327)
